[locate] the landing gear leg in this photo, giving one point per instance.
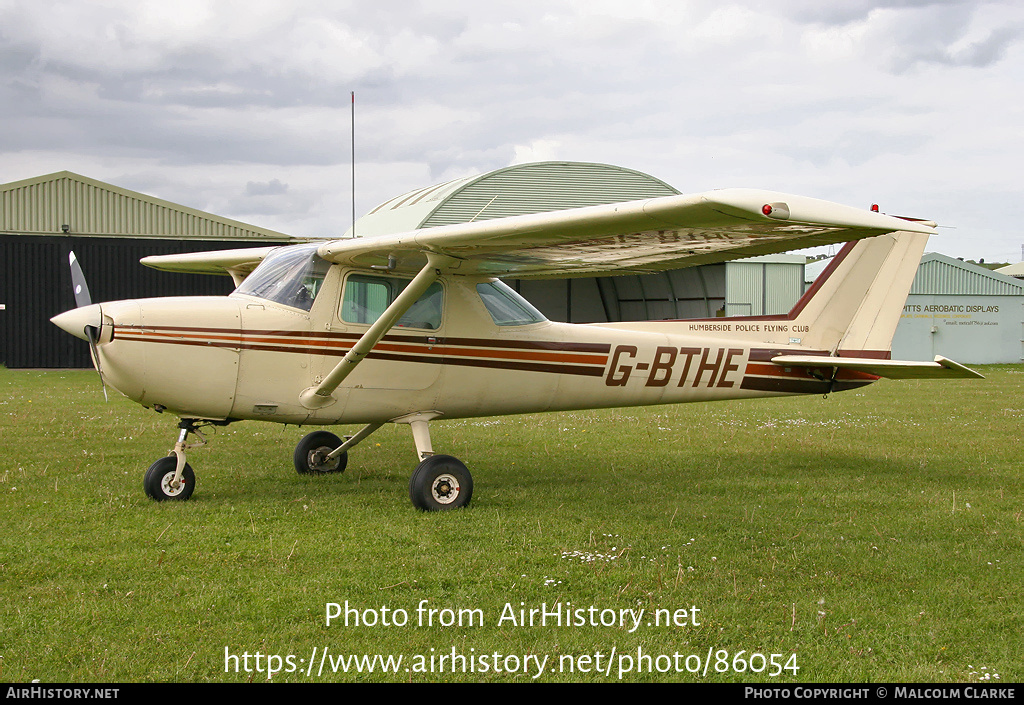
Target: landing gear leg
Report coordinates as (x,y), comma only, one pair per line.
(439,481)
(171,477)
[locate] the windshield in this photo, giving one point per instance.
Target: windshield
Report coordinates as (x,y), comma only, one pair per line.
(290,275)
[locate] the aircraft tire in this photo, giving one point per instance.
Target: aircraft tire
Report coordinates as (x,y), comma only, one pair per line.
(440,482)
(322,442)
(156,483)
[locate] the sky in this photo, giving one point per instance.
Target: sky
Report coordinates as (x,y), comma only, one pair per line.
(243,108)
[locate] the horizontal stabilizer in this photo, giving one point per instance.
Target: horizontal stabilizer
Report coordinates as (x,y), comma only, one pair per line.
(893,369)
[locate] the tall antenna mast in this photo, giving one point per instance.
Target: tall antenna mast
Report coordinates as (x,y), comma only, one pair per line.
(353,163)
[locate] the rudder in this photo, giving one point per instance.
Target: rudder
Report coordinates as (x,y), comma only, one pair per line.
(854,306)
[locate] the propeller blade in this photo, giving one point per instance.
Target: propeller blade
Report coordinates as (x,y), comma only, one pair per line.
(82,299)
(82,295)
(91,332)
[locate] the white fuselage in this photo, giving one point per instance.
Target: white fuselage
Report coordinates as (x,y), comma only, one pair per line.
(243,357)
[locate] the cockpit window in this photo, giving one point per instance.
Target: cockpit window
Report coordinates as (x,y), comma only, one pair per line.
(507,308)
(291,276)
(367,297)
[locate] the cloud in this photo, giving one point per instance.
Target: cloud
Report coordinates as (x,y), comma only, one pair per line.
(221,105)
(905,36)
(266,188)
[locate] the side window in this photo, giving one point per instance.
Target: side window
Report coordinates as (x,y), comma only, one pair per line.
(366,298)
(507,308)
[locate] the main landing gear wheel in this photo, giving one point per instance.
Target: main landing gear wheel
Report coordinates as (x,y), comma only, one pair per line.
(159,477)
(311,453)
(440,482)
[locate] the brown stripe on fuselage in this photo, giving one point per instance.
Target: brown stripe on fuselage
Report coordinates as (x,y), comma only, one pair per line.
(496,364)
(327,347)
(426,339)
(527,358)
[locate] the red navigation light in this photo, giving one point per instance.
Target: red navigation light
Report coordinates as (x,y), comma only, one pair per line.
(874,207)
(766,209)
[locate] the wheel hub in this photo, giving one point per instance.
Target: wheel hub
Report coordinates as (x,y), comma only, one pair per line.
(445,489)
(168,486)
(318,459)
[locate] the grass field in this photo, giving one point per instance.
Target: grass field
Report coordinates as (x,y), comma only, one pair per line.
(870,536)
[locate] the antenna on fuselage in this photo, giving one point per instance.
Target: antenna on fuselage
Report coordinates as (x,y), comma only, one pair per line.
(353,163)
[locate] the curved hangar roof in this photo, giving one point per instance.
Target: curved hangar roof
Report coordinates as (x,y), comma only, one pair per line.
(516,190)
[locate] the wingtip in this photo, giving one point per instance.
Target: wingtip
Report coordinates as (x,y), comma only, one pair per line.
(963,370)
(755,203)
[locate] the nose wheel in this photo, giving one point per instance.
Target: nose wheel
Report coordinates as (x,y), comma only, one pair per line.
(171,477)
(159,481)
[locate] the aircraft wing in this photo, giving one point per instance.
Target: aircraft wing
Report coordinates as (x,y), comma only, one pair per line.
(238,263)
(652,235)
(893,369)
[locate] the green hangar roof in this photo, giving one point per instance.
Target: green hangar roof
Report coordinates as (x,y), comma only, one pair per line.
(538,187)
(68,203)
(941,274)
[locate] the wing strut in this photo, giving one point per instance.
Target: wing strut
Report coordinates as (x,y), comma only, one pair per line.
(319,396)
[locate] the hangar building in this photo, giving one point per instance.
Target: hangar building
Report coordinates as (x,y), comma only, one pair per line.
(961,311)
(1015,270)
(958,310)
(754,286)
(109,229)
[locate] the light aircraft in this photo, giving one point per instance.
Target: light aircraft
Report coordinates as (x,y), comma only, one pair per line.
(413,327)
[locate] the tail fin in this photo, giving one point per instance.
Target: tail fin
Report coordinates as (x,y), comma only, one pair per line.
(853,307)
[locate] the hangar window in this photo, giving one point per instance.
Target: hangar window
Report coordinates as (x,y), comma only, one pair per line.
(366,298)
(290,275)
(507,308)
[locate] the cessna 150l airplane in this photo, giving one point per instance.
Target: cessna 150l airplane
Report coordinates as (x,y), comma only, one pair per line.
(415,326)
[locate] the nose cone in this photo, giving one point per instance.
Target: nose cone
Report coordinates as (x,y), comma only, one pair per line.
(75,320)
